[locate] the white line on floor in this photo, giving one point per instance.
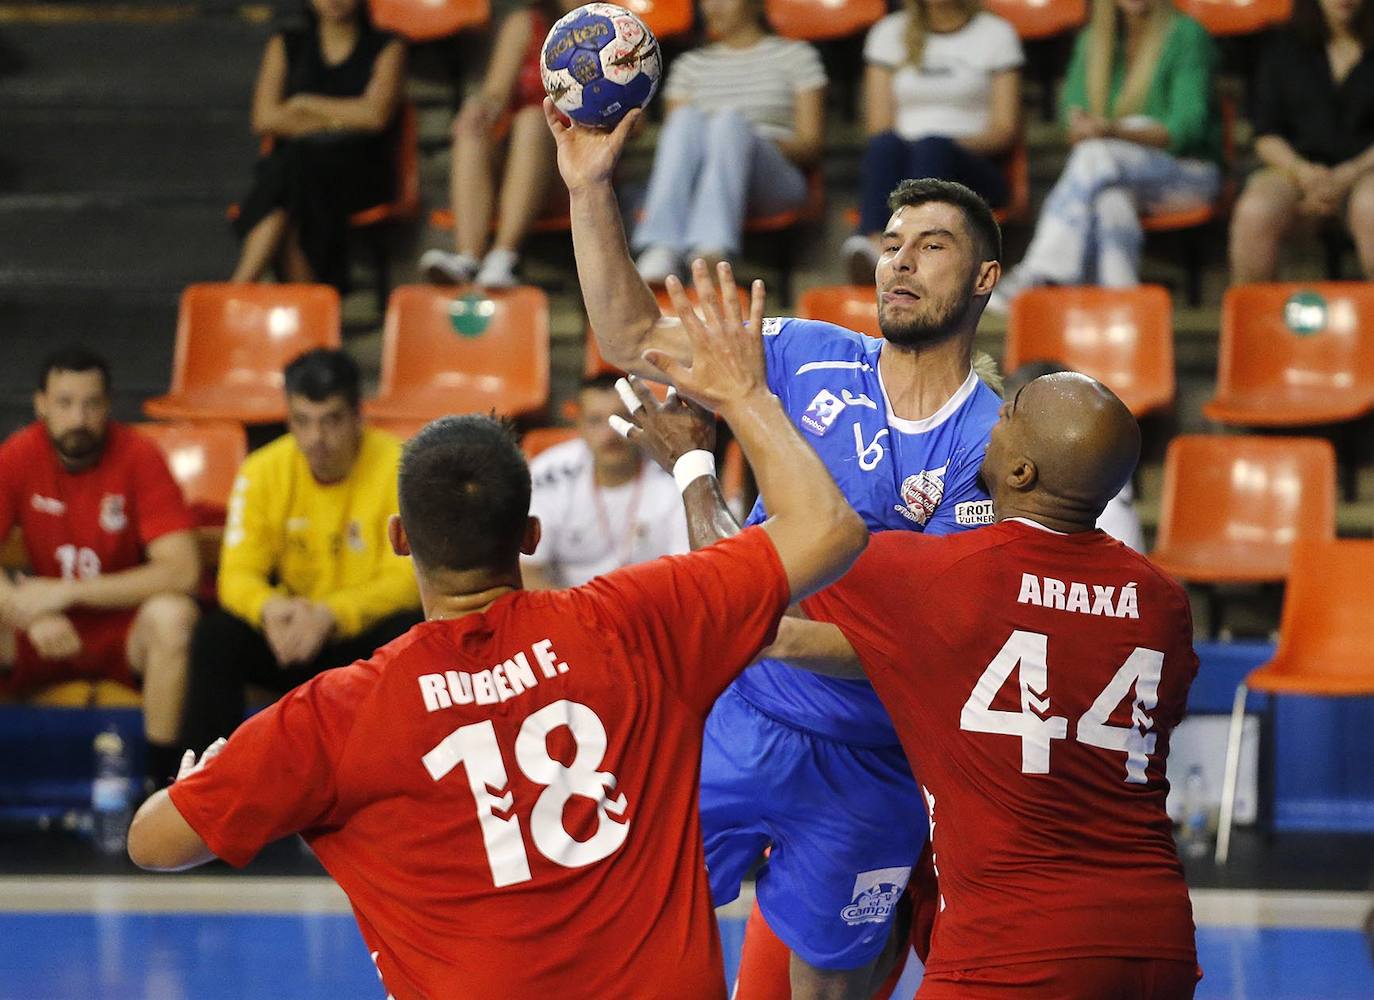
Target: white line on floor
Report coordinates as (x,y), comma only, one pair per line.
(258,894)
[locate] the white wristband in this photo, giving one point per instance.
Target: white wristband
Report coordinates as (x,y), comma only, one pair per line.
(692,466)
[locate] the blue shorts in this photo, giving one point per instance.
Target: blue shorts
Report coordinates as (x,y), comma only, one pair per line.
(845,823)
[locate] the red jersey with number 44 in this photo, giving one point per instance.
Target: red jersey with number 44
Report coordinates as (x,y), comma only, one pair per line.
(509,799)
(1034,679)
(97,521)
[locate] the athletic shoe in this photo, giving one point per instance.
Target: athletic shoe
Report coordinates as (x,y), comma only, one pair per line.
(656,263)
(445,268)
(498,269)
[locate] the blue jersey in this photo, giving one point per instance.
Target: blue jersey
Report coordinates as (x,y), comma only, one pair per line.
(920,475)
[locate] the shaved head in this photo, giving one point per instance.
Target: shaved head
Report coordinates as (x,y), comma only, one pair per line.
(1064,446)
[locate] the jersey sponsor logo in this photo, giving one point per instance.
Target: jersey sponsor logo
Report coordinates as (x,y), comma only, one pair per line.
(922,493)
(47,505)
(1106,602)
(875,895)
(112,515)
(822,412)
(972,512)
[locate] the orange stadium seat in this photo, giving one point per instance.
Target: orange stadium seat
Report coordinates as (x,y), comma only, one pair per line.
(427,20)
(1236,17)
(665,18)
(233,340)
(1035,19)
(1295,355)
(1121,336)
(822,20)
(1234,506)
(430,367)
(1325,637)
(204,458)
(543,438)
(854,307)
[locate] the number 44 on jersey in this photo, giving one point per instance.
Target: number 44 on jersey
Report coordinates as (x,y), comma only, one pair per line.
(1025,654)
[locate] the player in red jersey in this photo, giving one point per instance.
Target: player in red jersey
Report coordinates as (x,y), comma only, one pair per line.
(1034,670)
(508,793)
(111,545)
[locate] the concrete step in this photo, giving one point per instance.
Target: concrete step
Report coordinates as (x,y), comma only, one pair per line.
(60,243)
(137,152)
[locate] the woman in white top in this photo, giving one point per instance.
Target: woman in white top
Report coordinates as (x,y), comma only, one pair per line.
(745,119)
(942,98)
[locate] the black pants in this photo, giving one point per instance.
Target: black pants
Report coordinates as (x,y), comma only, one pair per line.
(228,654)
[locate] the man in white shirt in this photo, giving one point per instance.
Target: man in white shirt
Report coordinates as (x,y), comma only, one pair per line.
(600,503)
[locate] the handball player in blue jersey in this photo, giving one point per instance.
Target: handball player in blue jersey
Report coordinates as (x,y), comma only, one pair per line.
(810,767)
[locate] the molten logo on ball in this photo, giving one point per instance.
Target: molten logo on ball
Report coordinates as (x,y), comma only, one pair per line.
(599,62)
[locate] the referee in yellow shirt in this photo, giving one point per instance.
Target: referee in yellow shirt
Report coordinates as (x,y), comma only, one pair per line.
(307,578)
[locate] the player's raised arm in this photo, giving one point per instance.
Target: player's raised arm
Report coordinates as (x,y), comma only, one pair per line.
(622,311)
(816,533)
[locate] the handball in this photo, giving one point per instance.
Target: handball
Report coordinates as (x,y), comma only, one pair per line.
(600,62)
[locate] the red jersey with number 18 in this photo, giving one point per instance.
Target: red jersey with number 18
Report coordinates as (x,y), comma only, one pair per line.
(1034,679)
(509,799)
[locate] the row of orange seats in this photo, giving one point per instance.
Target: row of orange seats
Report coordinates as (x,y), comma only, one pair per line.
(1290,355)
(823,20)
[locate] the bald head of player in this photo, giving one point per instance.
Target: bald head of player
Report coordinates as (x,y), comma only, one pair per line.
(464,492)
(1063,446)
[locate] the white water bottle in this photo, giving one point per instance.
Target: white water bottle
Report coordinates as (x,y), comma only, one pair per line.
(110,792)
(1192,840)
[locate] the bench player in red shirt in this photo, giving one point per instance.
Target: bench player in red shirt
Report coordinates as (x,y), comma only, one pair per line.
(1034,669)
(112,549)
(508,793)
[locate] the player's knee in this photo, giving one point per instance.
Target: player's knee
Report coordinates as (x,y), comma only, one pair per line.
(170,620)
(809,982)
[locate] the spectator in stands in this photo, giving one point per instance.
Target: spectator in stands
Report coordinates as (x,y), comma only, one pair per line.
(601,505)
(1145,133)
(112,548)
(508,111)
(1314,135)
(307,578)
(942,98)
(326,99)
(1119,519)
(745,122)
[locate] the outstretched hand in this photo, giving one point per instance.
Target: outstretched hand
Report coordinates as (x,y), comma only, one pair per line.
(588,155)
(664,431)
(727,356)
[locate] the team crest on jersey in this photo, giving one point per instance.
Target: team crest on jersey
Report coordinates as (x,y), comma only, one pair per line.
(922,494)
(112,516)
(822,412)
(771,326)
(355,537)
(875,895)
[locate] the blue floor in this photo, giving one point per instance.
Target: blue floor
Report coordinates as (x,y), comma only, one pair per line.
(219,957)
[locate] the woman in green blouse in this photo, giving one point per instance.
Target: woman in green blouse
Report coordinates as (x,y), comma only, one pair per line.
(1145,133)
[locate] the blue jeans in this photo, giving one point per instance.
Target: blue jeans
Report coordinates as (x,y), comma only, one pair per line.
(1089,227)
(889,159)
(709,170)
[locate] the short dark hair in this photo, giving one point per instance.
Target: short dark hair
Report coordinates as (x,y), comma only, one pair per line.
(923,190)
(323,372)
(74,359)
(464,494)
